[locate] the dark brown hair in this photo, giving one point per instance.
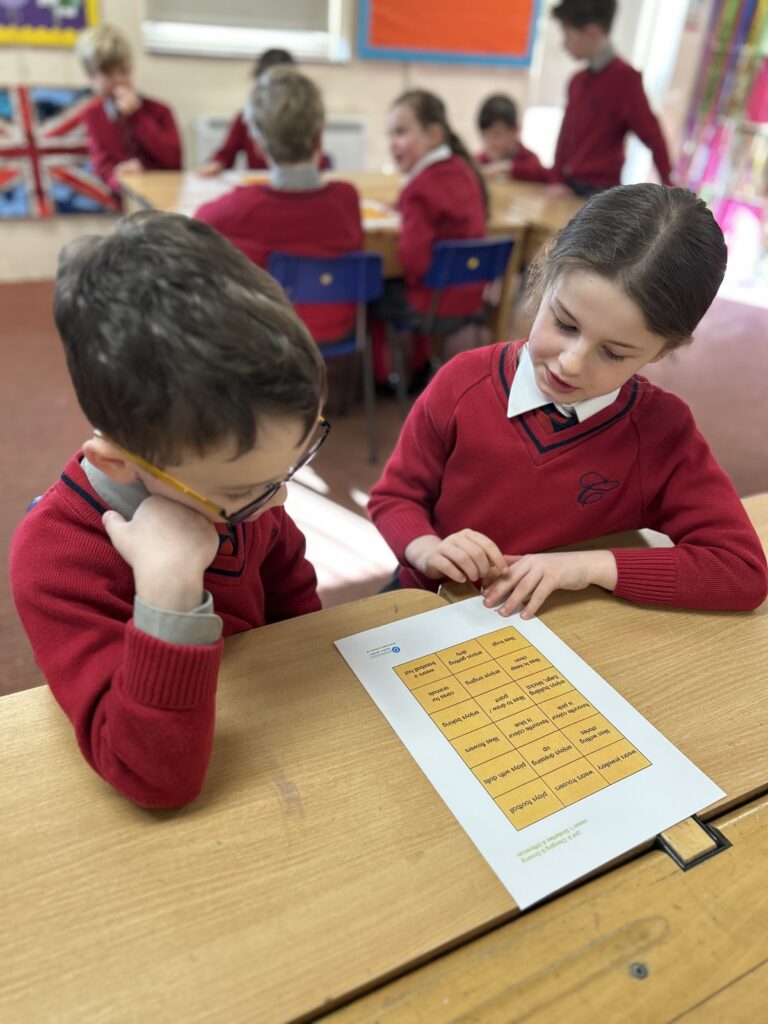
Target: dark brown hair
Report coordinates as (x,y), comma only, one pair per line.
(580,13)
(497,108)
(270,59)
(176,341)
(430,109)
(661,245)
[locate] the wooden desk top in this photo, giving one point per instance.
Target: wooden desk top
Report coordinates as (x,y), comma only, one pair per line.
(514,204)
(318,859)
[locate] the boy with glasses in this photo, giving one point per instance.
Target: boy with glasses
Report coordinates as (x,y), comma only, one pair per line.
(167,530)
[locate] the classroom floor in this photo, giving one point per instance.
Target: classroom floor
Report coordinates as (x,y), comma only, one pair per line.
(721,377)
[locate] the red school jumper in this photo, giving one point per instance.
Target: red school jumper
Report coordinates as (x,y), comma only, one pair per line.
(462,463)
(239,138)
(525,166)
(443,202)
(319,222)
(149,134)
(602,107)
(143,710)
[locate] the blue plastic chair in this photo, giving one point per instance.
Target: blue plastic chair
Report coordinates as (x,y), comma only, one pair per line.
(355,277)
(463,261)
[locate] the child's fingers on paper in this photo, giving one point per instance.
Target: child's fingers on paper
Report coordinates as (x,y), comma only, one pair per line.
(537,598)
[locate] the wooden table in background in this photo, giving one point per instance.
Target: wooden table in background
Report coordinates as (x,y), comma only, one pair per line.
(526,211)
(319,862)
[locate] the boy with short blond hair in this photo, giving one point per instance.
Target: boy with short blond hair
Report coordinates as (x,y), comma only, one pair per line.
(605,101)
(167,530)
(126,131)
(296,212)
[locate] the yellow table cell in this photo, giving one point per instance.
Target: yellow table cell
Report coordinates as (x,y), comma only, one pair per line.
(461,718)
(504,773)
(529,803)
(481,744)
(523,728)
(618,761)
(501,641)
(524,662)
(504,701)
(542,685)
(592,733)
(549,752)
(484,677)
(464,655)
(423,670)
(574,781)
(569,708)
(443,693)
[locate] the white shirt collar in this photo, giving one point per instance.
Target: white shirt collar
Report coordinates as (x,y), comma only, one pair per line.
(434,156)
(525,394)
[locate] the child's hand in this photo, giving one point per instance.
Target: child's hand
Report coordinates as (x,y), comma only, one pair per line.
(530,579)
(210,169)
(462,556)
(126,99)
(559,190)
(132,166)
(496,169)
(169,547)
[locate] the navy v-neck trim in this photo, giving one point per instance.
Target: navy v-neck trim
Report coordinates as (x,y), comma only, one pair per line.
(577,436)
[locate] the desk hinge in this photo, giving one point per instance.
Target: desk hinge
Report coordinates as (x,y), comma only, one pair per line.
(692,841)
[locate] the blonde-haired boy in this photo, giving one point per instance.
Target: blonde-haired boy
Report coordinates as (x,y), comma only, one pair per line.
(126,131)
(295,212)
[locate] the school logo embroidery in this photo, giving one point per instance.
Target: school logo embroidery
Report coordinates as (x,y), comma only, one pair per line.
(594,486)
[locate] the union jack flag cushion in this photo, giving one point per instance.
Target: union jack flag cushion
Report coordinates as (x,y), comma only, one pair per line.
(44,168)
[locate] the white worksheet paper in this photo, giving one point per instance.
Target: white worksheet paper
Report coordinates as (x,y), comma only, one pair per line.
(535,859)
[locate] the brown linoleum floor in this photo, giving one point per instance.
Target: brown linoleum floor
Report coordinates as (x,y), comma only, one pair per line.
(722,376)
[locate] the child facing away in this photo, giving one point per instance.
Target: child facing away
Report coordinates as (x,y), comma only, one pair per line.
(126,131)
(167,530)
(522,447)
(239,139)
(605,101)
(443,197)
(503,153)
(295,212)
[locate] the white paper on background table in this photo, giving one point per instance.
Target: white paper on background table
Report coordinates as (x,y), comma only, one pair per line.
(546,767)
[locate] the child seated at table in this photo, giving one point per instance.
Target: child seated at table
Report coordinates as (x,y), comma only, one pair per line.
(167,530)
(443,197)
(239,138)
(126,131)
(503,153)
(295,212)
(605,101)
(526,446)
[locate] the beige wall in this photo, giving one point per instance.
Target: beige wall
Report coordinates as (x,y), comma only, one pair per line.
(194,86)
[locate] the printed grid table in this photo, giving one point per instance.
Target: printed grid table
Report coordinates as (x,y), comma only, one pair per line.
(528,735)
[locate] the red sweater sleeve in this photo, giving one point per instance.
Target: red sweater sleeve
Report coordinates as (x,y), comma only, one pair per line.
(155,130)
(417,234)
(234,142)
(143,710)
(717,562)
(643,122)
(402,501)
(526,166)
(290,583)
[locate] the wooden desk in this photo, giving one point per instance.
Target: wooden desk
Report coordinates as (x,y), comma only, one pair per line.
(319,861)
(524,210)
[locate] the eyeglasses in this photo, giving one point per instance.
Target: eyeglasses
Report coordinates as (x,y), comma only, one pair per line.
(232,519)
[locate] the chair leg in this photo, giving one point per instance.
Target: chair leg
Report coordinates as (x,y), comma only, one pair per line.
(370,399)
(398,362)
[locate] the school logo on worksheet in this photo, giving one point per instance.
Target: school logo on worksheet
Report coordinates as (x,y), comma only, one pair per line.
(594,486)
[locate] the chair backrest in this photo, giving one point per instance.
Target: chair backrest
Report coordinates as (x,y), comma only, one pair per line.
(468,261)
(354,277)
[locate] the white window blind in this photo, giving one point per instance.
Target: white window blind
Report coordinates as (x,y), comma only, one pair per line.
(310,29)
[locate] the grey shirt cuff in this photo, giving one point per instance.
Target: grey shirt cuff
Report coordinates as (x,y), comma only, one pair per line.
(200,626)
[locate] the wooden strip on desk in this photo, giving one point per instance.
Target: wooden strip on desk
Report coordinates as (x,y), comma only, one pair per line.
(645,935)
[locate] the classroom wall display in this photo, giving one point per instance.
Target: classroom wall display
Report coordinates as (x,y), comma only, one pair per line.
(45,22)
(448,31)
(44,167)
